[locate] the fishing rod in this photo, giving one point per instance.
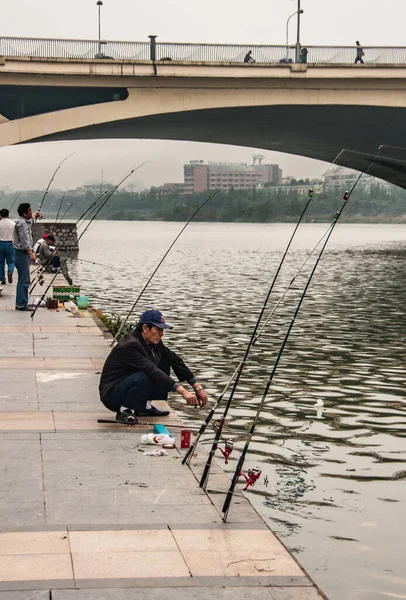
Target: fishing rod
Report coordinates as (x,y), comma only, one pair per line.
(160,263)
(40,269)
(102,203)
(69,208)
(50,181)
(188,456)
(292,281)
(253,474)
(221,421)
(59,210)
(14,201)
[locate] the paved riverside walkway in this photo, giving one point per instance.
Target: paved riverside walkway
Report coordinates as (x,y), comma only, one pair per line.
(84,515)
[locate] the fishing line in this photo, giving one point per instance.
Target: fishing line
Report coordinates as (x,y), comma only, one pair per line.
(40,269)
(238,471)
(91,262)
(254,473)
(14,201)
(159,264)
(50,181)
(187,458)
(240,368)
(59,210)
(102,204)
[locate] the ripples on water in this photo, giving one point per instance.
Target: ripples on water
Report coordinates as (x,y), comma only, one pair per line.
(336,491)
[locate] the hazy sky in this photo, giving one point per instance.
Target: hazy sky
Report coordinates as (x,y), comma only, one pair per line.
(324,22)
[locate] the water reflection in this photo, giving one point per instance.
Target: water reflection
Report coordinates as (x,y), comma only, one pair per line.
(331,440)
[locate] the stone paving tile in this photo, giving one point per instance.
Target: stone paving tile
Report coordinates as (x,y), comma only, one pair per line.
(71,339)
(134,515)
(71,352)
(235,553)
(15,363)
(25,595)
(304,593)
(18,436)
(98,363)
(161,593)
(144,540)
(65,329)
(30,422)
(69,363)
(36,567)
(105,565)
(132,496)
(20,329)
(88,331)
(72,405)
(34,542)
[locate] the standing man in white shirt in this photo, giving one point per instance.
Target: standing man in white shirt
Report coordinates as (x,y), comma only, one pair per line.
(6,246)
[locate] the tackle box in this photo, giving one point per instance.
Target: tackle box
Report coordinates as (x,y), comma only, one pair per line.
(63,293)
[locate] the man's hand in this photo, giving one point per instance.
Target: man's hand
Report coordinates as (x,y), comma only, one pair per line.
(191,399)
(32,257)
(201,397)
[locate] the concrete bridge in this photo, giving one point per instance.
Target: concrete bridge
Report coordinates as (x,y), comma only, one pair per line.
(73,90)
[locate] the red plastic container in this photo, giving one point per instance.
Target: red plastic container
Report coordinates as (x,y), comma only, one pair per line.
(185,438)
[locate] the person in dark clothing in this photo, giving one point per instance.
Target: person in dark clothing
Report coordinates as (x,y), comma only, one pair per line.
(48,257)
(360,53)
(248,57)
(137,371)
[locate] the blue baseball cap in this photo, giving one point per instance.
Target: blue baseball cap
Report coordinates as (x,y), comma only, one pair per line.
(156,318)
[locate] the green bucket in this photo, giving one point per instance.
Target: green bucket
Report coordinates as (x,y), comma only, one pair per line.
(82,301)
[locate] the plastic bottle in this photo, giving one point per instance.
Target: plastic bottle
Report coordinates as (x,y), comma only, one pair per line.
(160,439)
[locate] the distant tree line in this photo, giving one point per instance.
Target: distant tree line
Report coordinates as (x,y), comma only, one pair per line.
(375,204)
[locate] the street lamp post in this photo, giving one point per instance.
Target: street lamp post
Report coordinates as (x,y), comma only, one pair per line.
(99,4)
(298,13)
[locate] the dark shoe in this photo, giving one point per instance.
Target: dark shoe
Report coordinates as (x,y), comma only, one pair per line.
(152,412)
(24,308)
(3,282)
(126,416)
(10,277)
(69,280)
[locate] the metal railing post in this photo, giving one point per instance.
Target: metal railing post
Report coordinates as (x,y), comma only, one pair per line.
(152,47)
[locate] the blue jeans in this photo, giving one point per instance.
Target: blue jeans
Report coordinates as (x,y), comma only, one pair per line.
(6,255)
(22,263)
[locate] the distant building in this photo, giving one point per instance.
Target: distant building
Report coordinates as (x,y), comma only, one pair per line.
(341,179)
(201,177)
(167,188)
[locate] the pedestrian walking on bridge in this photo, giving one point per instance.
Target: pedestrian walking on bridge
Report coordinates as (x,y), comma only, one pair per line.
(360,54)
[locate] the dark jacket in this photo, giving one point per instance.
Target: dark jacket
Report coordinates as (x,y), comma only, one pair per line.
(133,355)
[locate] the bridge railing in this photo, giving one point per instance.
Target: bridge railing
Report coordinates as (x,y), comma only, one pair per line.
(213,53)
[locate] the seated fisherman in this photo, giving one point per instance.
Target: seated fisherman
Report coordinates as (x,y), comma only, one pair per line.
(137,371)
(48,257)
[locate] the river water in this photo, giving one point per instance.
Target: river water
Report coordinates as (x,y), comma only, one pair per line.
(333,483)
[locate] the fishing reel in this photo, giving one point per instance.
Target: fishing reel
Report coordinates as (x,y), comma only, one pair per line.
(41,279)
(228,448)
(253,475)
